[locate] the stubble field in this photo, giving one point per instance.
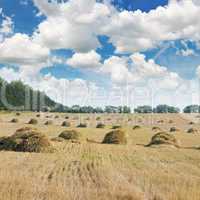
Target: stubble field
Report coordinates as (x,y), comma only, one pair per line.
(90,170)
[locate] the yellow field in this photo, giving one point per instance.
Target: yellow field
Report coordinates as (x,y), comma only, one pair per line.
(99,171)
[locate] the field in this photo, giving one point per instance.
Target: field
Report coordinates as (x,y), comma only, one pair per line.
(90,170)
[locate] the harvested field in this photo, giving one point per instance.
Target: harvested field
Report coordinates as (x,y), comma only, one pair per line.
(91,170)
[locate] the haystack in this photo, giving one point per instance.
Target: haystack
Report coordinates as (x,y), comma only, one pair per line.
(136,127)
(116,127)
(115,137)
(33,121)
(100,125)
(49,122)
(155,128)
(66,124)
(191,123)
(14,120)
(70,135)
(163,138)
(174,129)
(82,125)
(26,140)
(192,130)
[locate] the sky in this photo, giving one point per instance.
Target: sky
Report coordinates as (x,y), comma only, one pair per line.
(105,52)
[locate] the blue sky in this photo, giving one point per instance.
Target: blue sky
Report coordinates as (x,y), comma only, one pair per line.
(107,53)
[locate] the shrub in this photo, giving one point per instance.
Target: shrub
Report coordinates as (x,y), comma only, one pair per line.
(171,121)
(66,124)
(18,114)
(192,130)
(26,140)
(70,135)
(100,125)
(49,122)
(116,127)
(56,117)
(164,138)
(136,127)
(14,120)
(115,137)
(98,118)
(38,115)
(67,117)
(81,125)
(33,121)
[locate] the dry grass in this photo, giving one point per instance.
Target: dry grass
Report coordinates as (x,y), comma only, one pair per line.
(103,172)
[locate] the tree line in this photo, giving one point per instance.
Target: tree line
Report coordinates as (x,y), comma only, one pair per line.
(18,96)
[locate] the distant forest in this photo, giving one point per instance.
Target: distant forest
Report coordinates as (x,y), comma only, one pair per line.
(18,96)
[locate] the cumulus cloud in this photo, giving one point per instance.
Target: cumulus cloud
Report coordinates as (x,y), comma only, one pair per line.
(20,49)
(132,31)
(6,27)
(137,70)
(75,24)
(67,92)
(85,60)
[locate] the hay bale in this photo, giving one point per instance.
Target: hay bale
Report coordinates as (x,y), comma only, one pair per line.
(136,127)
(116,127)
(115,137)
(174,129)
(66,124)
(26,140)
(82,125)
(70,135)
(14,120)
(57,139)
(155,128)
(192,130)
(33,121)
(100,125)
(191,123)
(163,138)
(49,122)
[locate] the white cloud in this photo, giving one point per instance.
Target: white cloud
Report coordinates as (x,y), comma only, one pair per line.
(118,70)
(132,31)
(6,27)
(136,70)
(20,49)
(85,60)
(75,24)
(67,92)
